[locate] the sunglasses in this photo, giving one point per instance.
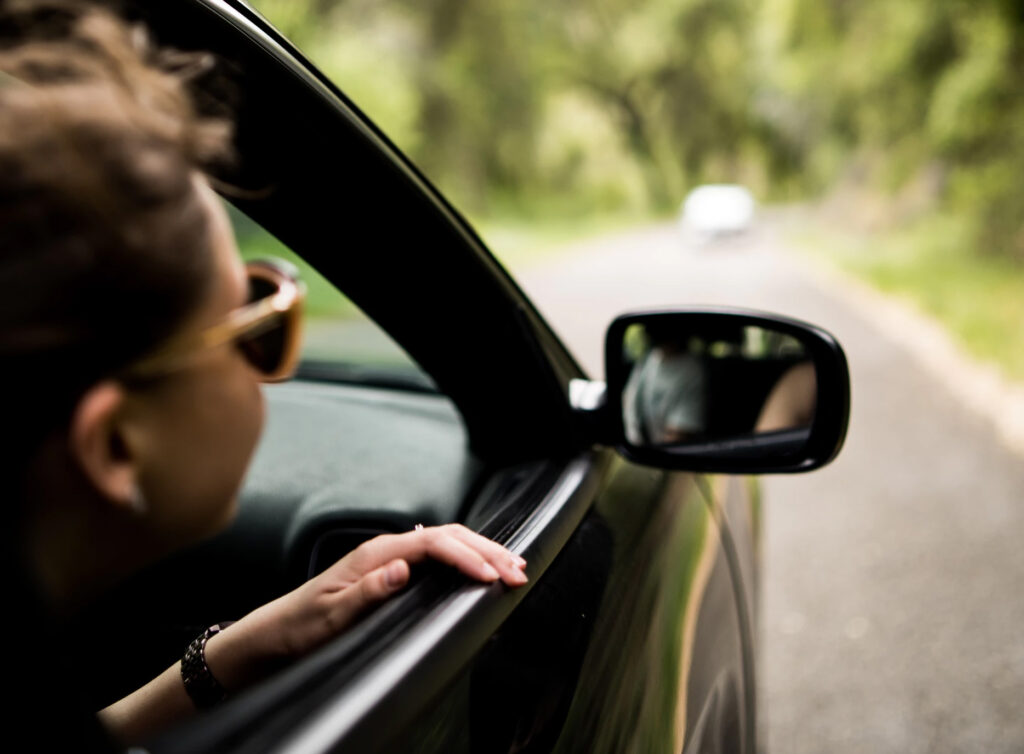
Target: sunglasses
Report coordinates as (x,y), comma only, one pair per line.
(267,331)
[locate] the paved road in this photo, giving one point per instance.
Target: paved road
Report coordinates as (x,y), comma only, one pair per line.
(893,613)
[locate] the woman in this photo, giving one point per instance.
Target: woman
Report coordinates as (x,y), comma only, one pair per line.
(135,356)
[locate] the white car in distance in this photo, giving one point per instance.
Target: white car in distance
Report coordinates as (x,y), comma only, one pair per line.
(713,211)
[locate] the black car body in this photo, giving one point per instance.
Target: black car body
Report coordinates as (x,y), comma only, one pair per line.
(637,630)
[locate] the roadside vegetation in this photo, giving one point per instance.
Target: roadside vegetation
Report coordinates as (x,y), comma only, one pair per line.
(931,264)
(545,121)
(518,242)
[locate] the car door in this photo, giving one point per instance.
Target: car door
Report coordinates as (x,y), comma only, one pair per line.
(633,634)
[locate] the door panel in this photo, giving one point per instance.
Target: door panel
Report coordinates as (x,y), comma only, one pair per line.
(667,645)
(737,504)
(629,642)
(515,694)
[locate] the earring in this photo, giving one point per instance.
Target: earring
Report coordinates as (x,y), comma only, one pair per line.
(138,502)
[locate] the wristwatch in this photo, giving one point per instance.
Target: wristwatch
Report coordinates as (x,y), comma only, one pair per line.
(201,686)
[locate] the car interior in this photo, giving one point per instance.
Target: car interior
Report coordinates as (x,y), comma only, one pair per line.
(337,464)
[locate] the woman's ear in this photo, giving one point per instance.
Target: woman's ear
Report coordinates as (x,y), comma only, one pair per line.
(99,445)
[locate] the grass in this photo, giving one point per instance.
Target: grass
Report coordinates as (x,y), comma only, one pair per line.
(518,242)
(978,297)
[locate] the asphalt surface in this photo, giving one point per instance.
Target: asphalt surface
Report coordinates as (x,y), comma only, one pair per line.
(893,612)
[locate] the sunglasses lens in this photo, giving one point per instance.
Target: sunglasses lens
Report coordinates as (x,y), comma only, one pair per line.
(260,286)
(266,348)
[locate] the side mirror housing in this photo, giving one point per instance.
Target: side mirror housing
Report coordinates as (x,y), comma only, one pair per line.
(724,390)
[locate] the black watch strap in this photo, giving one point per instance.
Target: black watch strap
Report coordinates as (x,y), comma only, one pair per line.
(202,687)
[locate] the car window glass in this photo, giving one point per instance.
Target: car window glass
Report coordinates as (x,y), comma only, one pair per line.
(338,339)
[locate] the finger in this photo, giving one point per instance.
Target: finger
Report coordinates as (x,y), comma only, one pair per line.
(374,587)
(445,545)
(413,545)
(482,544)
(510,566)
(453,544)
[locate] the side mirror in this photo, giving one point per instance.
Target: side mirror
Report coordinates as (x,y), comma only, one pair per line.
(725,390)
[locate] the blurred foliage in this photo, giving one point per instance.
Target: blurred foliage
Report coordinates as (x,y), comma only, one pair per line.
(978,298)
(568,109)
(590,107)
(911,97)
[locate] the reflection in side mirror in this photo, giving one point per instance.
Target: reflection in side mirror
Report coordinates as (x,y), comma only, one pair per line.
(705,386)
(724,390)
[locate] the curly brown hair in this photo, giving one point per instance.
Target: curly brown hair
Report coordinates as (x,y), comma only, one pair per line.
(103,238)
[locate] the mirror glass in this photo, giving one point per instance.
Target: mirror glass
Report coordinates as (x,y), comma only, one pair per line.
(714,382)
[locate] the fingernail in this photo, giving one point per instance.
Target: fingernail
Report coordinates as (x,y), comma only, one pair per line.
(519,561)
(394,575)
(489,573)
(520,577)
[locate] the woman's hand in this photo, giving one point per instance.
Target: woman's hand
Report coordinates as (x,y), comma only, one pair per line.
(304,619)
